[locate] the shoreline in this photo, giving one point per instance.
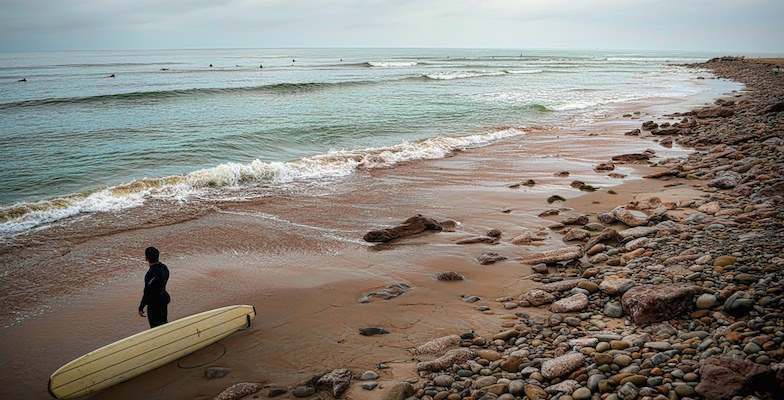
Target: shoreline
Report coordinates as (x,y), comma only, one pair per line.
(306,345)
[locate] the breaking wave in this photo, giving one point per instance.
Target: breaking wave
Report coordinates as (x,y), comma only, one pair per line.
(391,64)
(234,177)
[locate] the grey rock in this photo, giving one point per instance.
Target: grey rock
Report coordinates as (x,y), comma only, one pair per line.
(304,391)
(613,310)
(739,304)
(216,372)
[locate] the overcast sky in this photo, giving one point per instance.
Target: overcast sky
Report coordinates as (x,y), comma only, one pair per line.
(727,26)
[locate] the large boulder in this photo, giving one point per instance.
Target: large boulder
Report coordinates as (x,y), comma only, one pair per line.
(651,303)
(411,226)
(723,378)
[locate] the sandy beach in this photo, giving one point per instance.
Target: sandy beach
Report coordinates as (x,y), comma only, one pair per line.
(304,265)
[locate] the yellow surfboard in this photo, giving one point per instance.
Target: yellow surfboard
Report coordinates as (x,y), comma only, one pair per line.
(145,351)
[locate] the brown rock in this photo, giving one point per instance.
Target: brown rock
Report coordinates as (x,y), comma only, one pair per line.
(506,335)
(724,377)
(715,112)
(777,107)
(650,303)
(576,234)
(538,297)
(512,364)
(489,355)
(449,276)
(608,236)
(562,254)
(631,217)
(632,157)
(411,226)
(606,166)
(597,248)
(722,261)
(581,220)
(534,392)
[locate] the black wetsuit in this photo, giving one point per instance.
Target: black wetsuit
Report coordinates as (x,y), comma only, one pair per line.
(155,296)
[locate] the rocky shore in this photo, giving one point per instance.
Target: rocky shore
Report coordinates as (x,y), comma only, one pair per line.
(651,299)
(654,299)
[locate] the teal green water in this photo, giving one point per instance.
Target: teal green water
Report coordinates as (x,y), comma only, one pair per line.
(99,131)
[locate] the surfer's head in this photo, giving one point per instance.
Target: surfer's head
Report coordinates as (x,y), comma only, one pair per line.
(152,254)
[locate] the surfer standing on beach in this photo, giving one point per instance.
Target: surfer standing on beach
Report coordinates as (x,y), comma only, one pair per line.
(155,298)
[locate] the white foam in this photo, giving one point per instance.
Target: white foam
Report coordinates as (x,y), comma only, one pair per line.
(524,71)
(235,176)
(461,74)
(391,64)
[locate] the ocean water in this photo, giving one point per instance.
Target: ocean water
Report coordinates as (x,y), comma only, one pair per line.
(91,132)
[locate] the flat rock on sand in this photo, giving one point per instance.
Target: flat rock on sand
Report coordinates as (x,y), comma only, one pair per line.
(562,254)
(436,345)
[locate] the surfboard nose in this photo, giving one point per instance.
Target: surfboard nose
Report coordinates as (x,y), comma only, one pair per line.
(49,388)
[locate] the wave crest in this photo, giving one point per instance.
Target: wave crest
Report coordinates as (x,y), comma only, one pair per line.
(236,176)
(391,64)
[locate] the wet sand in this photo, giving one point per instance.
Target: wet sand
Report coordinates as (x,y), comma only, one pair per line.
(299,259)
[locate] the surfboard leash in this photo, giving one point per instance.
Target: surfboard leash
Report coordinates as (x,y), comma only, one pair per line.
(201,365)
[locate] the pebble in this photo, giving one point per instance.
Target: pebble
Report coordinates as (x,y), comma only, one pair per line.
(581,394)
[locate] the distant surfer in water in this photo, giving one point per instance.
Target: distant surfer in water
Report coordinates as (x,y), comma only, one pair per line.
(155,298)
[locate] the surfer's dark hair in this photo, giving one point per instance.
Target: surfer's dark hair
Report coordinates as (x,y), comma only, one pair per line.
(152,254)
